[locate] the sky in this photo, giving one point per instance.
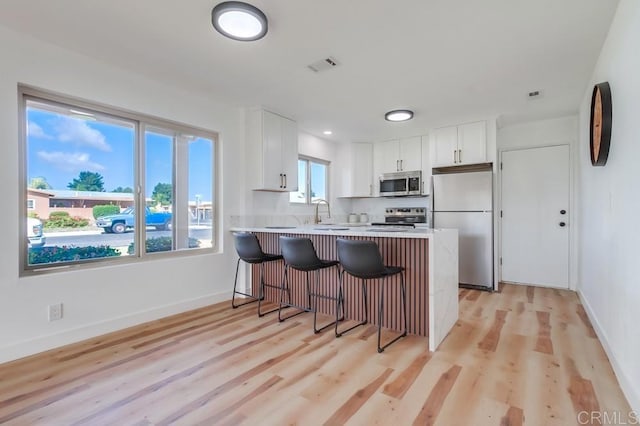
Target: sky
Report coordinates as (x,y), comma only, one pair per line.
(318,182)
(60,146)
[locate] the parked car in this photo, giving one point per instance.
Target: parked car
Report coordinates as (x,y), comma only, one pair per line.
(34,232)
(119,223)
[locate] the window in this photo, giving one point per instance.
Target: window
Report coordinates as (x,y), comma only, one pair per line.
(31,204)
(116,178)
(312,181)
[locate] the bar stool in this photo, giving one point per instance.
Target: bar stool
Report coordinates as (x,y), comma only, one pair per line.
(299,254)
(362,259)
(249,251)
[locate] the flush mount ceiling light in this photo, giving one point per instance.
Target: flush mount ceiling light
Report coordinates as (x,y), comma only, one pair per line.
(399,115)
(239,21)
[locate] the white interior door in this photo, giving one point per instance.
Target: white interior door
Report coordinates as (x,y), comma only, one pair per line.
(535,216)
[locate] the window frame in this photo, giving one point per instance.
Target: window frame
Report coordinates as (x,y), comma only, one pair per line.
(308,160)
(141,121)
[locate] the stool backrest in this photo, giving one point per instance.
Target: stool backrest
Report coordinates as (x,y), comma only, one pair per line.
(361,259)
(298,252)
(248,247)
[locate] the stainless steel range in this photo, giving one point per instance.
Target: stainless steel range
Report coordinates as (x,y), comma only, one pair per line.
(403,216)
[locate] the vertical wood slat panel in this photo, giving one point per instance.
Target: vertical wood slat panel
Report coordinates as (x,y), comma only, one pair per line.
(411,253)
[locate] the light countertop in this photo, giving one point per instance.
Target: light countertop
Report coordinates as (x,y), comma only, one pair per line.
(354,231)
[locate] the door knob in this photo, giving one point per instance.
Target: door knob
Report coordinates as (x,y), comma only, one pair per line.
(562,224)
(563,211)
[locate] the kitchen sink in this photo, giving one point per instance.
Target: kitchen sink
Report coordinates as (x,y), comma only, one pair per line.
(280,227)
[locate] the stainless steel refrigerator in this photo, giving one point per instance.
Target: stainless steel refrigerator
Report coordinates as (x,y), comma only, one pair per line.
(463,199)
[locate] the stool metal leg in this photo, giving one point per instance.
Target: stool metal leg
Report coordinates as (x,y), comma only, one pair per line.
(261,295)
(404,310)
(315,307)
(308,291)
(285,286)
(403,287)
(364,304)
(235,291)
(339,301)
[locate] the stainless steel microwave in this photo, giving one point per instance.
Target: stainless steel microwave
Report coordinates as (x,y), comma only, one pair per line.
(401,184)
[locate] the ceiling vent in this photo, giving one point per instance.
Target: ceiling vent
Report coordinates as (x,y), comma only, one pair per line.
(323,64)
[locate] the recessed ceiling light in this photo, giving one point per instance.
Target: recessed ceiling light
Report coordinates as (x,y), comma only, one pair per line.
(399,115)
(239,21)
(328,132)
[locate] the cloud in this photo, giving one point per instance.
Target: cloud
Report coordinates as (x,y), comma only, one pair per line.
(35,131)
(70,161)
(79,133)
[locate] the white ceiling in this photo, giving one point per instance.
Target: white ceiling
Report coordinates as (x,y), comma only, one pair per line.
(448,60)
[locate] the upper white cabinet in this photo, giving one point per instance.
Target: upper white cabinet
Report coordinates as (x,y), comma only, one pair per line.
(457,145)
(410,154)
(398,155)
(426,166)
(272,151)
(358,174)
(401,155)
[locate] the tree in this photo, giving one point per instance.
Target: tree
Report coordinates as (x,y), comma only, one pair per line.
(127,189)
(163,194)
(87,181)
(39,182)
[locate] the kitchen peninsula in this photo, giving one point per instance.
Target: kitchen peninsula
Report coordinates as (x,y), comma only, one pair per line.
(429,256)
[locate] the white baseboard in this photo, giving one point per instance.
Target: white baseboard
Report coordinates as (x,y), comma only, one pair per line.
(628,386)
(52,341)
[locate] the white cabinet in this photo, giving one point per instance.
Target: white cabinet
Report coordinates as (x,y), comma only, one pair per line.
(272,151)
(426,166)
(410,154)
(357,175)
(386,157)
(472,143)
(456,145)
(398,155)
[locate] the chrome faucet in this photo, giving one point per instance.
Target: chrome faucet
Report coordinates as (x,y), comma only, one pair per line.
(317,217)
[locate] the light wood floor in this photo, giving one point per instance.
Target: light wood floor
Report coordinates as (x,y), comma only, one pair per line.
(522,356)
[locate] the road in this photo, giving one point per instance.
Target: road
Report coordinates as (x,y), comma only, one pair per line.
(113,240)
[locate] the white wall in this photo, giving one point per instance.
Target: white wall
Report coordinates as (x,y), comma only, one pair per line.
(103,299)
(549,132)
(555,131)
(609,205)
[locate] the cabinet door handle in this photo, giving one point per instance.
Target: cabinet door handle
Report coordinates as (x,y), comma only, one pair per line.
(285,180)
(401,165)
(459,156)
(455,156)
(281,180)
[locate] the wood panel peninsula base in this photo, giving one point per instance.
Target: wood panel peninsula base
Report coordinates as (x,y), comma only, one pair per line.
(430,259)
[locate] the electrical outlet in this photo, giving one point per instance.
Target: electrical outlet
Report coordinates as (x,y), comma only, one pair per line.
(55,312)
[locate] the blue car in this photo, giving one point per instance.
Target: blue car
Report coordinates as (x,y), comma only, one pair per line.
(121,222)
